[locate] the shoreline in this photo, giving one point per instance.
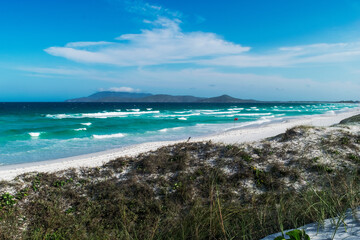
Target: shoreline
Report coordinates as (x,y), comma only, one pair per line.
(233,136)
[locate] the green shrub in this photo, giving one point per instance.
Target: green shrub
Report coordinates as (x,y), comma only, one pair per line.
(7,200)
(295,235)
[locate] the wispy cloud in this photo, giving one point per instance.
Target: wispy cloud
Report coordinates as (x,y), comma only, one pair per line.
(291,56)
(146,9)
(54,71)
(86,44)
(121,89)
(165,43)
(73,73)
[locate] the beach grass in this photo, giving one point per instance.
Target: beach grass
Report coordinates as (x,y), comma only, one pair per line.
(104,210)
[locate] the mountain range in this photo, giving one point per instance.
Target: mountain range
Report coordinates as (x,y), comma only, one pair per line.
(109,96)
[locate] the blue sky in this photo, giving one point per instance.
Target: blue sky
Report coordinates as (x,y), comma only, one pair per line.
(266,50)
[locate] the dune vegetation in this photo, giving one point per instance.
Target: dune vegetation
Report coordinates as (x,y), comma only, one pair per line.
(198,190)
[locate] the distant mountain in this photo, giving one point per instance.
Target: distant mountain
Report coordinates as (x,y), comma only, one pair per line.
(169,98)
(226,99)
(108,96)
(348,101)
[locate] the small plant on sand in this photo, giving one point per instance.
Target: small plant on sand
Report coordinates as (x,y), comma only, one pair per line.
(336,152)
(70,210)
(6,200)
(246,157)
(344,140)
(294,235)
(259,176)
(229,146)
(322,168)
(315,159)
(36,183)
(22,193)
(354,157)
(257,151)
(177,185)
(62,182)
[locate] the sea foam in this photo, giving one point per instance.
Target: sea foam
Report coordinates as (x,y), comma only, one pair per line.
(116,135)
(98,115)
(253,114)
(134,110)
(171,129)
(80,129)
(34,134)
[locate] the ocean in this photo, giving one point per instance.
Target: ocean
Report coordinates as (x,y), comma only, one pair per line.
(32,132)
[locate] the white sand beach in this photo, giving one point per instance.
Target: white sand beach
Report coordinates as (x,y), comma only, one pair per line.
(339,228)
(237,135)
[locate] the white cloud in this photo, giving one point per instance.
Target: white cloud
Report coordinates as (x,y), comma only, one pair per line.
(123,89)
(321,53)
(315,47)
(244,61)
(143,8)
(86,44)
(54,71)
(84,56)
(73,73)
(165,43)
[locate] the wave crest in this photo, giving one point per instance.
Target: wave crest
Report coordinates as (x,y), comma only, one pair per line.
(35,134)
(116,135)
(98,115)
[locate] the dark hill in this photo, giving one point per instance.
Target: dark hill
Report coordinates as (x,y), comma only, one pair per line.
(108,96)
(226,99)
(170,98)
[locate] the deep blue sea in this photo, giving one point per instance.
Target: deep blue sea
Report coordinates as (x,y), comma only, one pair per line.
(43,131)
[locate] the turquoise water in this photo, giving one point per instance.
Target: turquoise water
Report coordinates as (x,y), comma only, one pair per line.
(42,131)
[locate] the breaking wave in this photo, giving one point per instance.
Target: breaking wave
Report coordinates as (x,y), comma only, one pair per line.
(35,134)
(98,115)
(80,129)
(116,135)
